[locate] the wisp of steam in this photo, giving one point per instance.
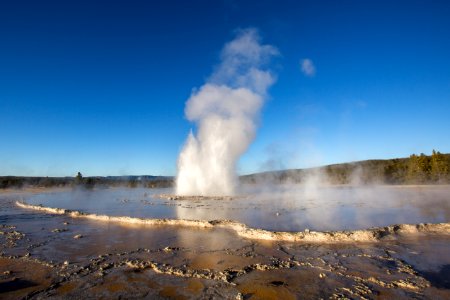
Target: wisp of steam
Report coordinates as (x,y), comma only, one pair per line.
(224,110)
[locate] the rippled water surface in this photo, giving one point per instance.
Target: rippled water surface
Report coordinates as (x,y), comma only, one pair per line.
(281,208)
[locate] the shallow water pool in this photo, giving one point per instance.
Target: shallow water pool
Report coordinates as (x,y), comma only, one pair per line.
(277,208)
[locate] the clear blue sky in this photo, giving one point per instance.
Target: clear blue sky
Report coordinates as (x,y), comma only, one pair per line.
(100,86)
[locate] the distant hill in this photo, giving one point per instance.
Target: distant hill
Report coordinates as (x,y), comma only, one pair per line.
(416,169)
(89,182)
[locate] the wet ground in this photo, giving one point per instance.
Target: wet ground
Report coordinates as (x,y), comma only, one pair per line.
(55,256)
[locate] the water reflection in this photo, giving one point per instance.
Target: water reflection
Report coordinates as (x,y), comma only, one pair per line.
(280,208)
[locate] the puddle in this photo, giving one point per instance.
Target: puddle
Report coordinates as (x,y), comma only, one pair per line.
(15,284)
(440,278)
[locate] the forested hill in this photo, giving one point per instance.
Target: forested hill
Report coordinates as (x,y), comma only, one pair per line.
(146,181)
(416,169)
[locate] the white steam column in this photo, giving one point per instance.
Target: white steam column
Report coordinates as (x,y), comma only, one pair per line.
(224,110)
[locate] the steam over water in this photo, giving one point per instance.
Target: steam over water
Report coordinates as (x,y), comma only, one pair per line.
(282,208)
(224,110)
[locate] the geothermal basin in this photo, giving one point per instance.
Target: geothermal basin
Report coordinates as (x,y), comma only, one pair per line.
(284,242)
(289,208)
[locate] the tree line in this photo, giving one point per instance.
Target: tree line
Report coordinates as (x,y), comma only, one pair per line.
(416,169)
(86,182)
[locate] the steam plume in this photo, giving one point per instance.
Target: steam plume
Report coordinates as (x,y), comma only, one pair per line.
(224,110)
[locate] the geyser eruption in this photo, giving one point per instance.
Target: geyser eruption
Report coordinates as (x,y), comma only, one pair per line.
(225,109)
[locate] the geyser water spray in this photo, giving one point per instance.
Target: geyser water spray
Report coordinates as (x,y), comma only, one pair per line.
(224,110)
